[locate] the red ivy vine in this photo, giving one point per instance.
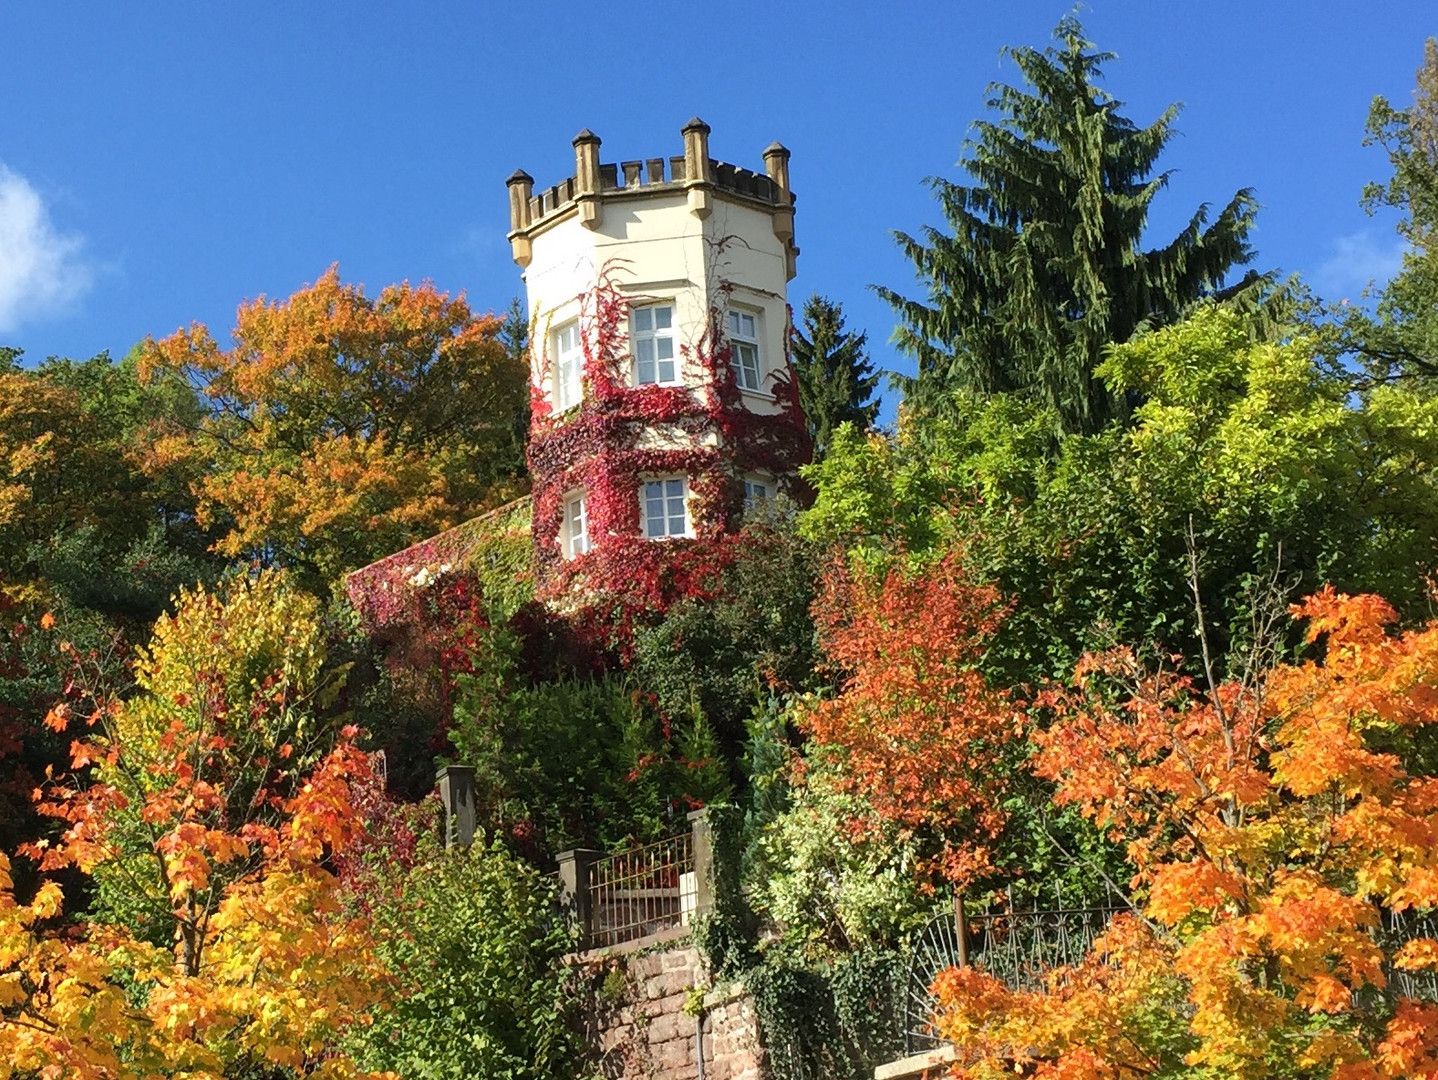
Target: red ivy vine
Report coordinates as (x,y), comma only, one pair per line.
(597,446)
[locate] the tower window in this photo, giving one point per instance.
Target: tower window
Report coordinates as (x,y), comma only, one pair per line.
(664,508)
(756,490)
(568,367)
(651,337)
(576,525)
(744,348)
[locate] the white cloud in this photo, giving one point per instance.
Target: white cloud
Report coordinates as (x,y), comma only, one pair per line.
(1358,260)
(42,271)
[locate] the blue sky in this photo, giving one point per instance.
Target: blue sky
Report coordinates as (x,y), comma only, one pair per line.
(160,163)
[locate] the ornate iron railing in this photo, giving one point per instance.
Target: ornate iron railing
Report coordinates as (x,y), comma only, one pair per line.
(1017,943)
(635,894)
(1020,944)
(1396,928)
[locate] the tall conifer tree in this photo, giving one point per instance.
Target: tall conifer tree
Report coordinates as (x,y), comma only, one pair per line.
(836,380)
(1042,265)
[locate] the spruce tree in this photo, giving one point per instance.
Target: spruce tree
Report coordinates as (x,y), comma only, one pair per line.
(514,335)
(1043,264)
(836,379)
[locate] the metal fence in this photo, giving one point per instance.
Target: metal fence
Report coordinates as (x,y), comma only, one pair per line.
(635,894)
(1394,929)
(1021,941)
(641,892)
(1017,943)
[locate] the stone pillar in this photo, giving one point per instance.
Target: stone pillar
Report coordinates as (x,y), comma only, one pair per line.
(521,190)
(698,174)
(574,890)
(703,840)
(456,796)
(586,179)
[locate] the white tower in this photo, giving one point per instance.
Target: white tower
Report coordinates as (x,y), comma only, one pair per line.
(663,395)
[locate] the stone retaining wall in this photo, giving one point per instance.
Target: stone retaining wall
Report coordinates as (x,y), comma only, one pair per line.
(649,1008)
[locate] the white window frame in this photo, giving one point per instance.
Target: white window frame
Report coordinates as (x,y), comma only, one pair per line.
(655,336)
(575,525)
(746,357)
(568,371)
(753,498)
(666,496)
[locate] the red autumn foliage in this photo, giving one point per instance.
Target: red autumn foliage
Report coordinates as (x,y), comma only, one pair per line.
(605,446)
(919,732)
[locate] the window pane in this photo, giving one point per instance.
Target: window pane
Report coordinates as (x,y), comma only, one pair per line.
(666,371)
(663,317)
(644,318)
(665,346)
(746,366)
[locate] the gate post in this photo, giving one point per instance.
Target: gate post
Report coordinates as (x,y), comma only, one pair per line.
(702,835)
(574,890)
(456,796)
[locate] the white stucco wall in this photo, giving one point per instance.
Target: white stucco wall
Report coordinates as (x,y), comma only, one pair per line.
(656,248)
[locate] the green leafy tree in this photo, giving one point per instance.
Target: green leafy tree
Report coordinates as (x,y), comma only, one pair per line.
(1043,263)
(1248,464)
(515,335)
(81,518)
(471,938)
(836,379)
(568,761)
(723,655)
(59,471)
(826,890)
(1399,338)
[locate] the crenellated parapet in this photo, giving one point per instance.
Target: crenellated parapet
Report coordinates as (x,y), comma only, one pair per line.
(701,179)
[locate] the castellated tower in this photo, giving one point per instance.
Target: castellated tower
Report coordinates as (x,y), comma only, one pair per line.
(663,398)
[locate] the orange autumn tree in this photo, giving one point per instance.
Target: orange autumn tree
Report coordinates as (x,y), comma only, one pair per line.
(216,796)
(1283,834)
(915,729)
(343,427)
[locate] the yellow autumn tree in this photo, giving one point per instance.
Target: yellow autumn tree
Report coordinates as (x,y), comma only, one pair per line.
(216,800)
(343,427)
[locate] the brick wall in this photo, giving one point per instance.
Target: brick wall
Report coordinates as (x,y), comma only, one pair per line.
(646,1007)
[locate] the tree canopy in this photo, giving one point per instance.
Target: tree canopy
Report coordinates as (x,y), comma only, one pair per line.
(209,807)
(1251,460)
(1398,339)
(341,428)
